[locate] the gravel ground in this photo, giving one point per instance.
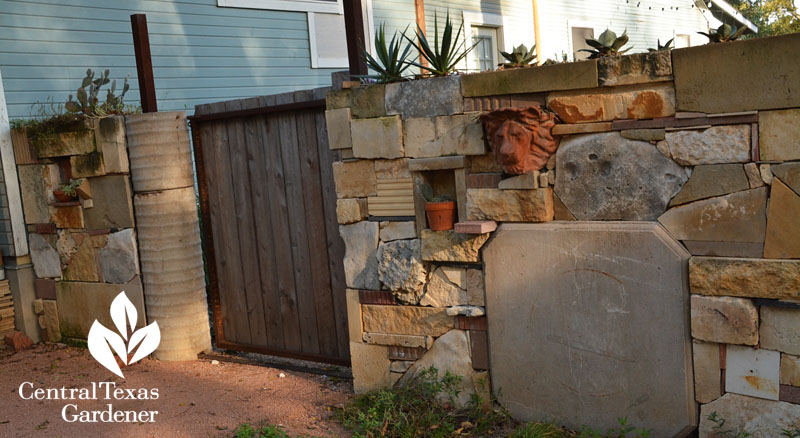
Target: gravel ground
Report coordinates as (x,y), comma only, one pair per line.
(197,398)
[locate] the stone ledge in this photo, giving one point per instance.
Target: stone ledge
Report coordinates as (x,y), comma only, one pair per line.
(567,76)
(475,227)
(438,163)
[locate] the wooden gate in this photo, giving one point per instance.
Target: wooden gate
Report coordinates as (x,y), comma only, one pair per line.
(271,237)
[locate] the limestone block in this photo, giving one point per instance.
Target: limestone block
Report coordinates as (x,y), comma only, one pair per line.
(400,269)
(635,69)
(51,330)
(580,128)
(63,144)
(766,173)
(789,174)
(567,76)
(438,163)
(528,180)
(711,180)
(119,260)
(392,169)
(46,262)
(338,123)
(397,230)
(411,341)
(753,372)
(475,289)
(707,372)
(67,245)
(608,177)
(450,353)
(80,303)
(790,370)
(737,217)
(782,239)
(644,134)
(425,98)
(355,179)
(113,203)
(627,102)
(360,263)
(457,276)
(714,145)
(447,246)
(779,135)
(780,329)
(401,366)
(568,317)
(112,144)
(353,316)
(370,366)
(468,311)
(724,320)
(757,278)
(560,211)
(442,292)
(68,216)
(510,205)
(475,227)
(36,184)
(405,320)
(485,163)
(87,165)
(460,134)
(753,175)
(364,102)
(351,210)
(381,137)
(83,265)
(761,418)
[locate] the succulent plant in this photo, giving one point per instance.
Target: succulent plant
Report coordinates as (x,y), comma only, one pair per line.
(607,44)
(445,55)
(391,61)
(666,46)
(724,33)
(88,102)
(426,191)
(70,187)
(519,57)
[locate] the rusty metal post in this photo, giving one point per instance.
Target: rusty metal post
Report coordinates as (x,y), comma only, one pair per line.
(356,42)
(144,64)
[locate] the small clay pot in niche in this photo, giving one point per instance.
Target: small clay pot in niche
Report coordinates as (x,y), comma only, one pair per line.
(441,215)
(61,196)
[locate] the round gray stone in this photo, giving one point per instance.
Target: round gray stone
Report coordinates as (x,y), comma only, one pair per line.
(608,177)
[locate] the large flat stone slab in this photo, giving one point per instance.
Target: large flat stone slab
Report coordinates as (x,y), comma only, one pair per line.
(567,76)
(711,180)
(360,261)
(608,177)
(758,417)
(581,335)
(766,76)
(80,303)
(779,135)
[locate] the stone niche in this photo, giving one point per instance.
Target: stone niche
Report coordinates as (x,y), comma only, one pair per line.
(600,321)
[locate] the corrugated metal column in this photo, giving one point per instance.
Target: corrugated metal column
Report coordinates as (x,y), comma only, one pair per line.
(169,235)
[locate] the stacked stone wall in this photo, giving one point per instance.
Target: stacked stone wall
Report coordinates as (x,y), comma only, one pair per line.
(649,137)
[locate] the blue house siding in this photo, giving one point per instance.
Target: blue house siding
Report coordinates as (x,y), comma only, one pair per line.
(201,52)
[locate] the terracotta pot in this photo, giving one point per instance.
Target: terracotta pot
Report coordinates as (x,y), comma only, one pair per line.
(62,197)
(441,215)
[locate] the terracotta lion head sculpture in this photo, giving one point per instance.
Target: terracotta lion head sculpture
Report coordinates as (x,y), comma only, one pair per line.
(521,138)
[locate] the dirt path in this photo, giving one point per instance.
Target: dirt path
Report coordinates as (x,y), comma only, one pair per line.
(195,399)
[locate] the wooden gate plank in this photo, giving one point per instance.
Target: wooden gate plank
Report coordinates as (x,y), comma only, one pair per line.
(315,229)
(294,197)
(333,239)
(284,263)
(226,241)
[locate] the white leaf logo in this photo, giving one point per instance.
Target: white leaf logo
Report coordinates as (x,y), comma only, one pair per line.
(104,343)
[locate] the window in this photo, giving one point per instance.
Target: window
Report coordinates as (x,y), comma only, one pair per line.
(485,40)
(329,6)
(682,40)
(579,37)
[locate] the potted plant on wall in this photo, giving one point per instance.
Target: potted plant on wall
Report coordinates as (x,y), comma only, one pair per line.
(67,192)
(440,209)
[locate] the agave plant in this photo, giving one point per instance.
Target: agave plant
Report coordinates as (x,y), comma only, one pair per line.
(519,57)
(445,55)
(608,44)
(391,61)
(666,46)
(724,33)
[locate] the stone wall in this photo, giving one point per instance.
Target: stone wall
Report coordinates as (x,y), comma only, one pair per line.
(662,138)
(84,252)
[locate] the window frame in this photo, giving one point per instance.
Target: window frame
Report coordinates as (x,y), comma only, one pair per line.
(324,6)
(579,24)
(482,19)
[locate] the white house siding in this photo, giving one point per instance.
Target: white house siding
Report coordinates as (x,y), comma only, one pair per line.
(201,52)
(645,24)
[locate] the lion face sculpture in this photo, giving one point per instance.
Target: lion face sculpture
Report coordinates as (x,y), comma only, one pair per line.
(521,138)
